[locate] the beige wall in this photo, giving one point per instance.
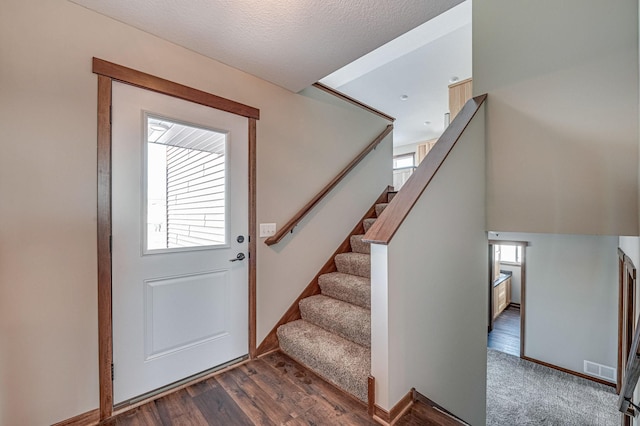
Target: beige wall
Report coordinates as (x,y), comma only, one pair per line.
(435,338)
(48,318)
(562,114)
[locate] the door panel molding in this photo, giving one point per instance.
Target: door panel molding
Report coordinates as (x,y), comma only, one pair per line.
(108,72)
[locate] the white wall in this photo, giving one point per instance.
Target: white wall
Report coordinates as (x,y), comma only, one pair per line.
(405,149)
(515,280)
(562,116)
(436,337)
(48,298)
(571,298)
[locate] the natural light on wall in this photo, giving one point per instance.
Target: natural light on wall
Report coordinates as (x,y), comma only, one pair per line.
(185,185)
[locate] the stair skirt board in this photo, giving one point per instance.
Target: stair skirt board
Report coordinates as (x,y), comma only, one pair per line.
(270,343)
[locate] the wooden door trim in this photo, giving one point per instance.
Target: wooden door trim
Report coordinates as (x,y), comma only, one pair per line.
(107,73)
(627,282)
(170,88)
(105,325)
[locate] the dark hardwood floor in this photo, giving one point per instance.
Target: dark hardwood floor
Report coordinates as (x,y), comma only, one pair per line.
(272,390)
(505,336)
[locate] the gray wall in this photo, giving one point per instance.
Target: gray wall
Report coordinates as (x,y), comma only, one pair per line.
(562,114)
(571,298)
(435,338)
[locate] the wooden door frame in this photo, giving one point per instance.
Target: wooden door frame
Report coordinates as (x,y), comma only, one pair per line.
(523,285)
(108,73)
(626,312)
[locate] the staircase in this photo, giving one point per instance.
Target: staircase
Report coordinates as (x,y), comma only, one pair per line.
(333,338)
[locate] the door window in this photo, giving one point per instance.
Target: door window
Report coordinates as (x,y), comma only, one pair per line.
(185,186)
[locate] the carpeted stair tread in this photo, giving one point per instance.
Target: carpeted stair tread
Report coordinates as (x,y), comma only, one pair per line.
(390,195)
(341,362)
(359,246)
(380,208)
(342,318)
(354,263)
(347,287)
(367,223)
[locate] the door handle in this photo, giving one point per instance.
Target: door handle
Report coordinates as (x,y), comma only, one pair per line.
(240,256)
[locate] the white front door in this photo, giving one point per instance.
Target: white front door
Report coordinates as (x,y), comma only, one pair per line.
(180,215)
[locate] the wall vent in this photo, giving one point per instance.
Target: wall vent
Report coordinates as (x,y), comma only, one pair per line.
(599,370)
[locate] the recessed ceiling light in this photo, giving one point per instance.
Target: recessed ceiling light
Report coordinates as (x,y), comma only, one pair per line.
(426,123)
(453,79)
(404,97)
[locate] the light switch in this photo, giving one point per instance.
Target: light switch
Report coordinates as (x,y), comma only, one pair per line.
(267,229)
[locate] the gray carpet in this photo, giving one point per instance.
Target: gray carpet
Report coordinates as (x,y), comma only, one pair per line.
(524,393)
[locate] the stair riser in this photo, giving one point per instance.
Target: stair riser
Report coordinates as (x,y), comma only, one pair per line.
(367,224)
(347,321)
(354,265)
(380,208)
(348,288)
(346,365)
(359,246)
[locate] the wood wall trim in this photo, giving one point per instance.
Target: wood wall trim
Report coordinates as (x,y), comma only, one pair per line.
(371,395)
(621,361)
(270,342)
(392,416)
(288,227)
(105,332)
(392,217)
(566,370)
(353,101)
(160,85)
(253,236)
(89,418)
(107,73)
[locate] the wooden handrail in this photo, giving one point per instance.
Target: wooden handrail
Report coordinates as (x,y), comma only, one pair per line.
(353,101)
(288,227)
(631,375)
(392,217)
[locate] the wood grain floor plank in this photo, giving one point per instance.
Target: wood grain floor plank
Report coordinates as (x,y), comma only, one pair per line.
(505,336)
(311,382)
(273,390)
(219,409)
(293,399)
(179,408)
(255,402)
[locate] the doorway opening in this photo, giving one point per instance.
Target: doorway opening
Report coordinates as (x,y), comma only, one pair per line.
(506,310)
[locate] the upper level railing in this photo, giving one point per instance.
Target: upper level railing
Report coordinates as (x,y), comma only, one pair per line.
(392,217)
(288,227)
(630,378)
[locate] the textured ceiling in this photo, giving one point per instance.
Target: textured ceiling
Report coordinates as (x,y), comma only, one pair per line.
(292,43)
(418,64)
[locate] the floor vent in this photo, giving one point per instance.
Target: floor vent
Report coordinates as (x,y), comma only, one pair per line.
(599,370)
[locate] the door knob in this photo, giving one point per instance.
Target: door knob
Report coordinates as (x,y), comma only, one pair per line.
(240,256)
